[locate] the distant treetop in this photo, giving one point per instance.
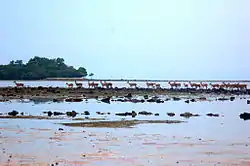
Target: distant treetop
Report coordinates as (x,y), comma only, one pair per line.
(38,68)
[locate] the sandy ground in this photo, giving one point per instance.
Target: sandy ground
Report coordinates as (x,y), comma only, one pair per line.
(40,142)
(88,146)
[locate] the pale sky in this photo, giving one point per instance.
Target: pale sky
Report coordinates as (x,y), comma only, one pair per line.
(143,39)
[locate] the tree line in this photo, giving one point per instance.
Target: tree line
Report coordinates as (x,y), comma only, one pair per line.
(38,68)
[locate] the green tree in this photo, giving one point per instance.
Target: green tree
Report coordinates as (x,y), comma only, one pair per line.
(91,75)
(83,71)
(39,68)
(12,62)
(19,62)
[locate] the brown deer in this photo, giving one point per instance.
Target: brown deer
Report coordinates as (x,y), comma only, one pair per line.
(79,85)
(132,84)
(214,86)
(150,84)
(194,85)
(18,84)
(203,85)
(95,84)
(242,86)
(157,85)
(70,85)
(171,84)
(103,84)
(91,84)
(108,84)
(177,84)
(185,85)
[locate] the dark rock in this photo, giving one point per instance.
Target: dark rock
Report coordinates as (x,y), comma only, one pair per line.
(135,101)
(157,114)
(106,100)
(248,101)
(74,100)
(192,100)
(60,129)
(55,100)
(145,113)
(187,101)
(171,114)
(159,101)
(188,114)
(50,113)
(86,113)
(214,115)
(120,100)
(167,99)
(155,100)
(245,116)
(72,113)
(133,114)
(223,99)
(145,97)
(151,100)
(58,113)
(13,113)
(22,113)
(232,98)
(176,98)
(99,113)
(203,98)
(128,95)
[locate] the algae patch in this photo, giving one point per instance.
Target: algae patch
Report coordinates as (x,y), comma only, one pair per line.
(119,124)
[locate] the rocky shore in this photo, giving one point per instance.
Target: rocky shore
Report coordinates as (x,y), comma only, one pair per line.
(7,93)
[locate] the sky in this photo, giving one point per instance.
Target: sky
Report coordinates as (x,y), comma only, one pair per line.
(137,39)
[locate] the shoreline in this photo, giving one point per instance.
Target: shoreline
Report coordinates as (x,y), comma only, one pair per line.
(57,93)
(136,80)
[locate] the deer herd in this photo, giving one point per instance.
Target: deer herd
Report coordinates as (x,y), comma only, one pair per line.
(172,84)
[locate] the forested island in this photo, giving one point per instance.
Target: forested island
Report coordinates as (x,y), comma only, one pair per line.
(39,68)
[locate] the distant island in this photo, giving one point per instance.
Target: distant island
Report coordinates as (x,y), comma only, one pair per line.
(39,68)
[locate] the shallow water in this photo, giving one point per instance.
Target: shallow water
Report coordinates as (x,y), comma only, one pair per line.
(203,139)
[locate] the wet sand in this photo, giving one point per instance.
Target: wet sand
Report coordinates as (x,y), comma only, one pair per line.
(100,141)
(89,146)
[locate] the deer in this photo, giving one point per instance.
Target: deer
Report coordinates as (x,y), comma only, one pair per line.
(132,84)
(157,85)
(226,85)
(91,84)
(171,84)
(103,84)
(79,85)
(242,86)
(177,84)
(214,86)
(70,85)
(18,84)
(95,84)
(194,85)
(150,84)
(203,85)
(108,84)
(185,85)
